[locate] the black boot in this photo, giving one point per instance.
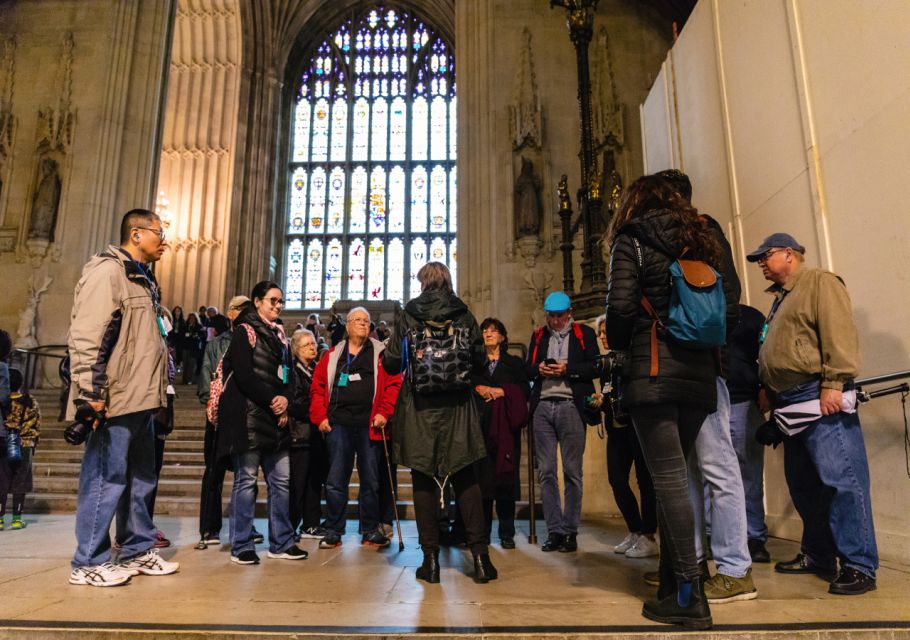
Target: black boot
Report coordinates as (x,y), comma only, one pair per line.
(688,606)
(667,585)
(429,570)
(484,571)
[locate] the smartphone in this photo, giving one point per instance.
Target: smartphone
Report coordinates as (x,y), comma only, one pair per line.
(550,361)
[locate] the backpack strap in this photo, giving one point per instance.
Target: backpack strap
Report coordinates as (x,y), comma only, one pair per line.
(250,334)
(649,308)
(576,329)
(538,334)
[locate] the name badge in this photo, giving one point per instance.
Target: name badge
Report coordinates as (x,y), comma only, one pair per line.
(343,380)
(354,377)
(162,327)
(283,373)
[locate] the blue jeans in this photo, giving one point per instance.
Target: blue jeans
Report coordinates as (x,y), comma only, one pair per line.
(828,476)
(559,423)
(713,464)
(277,470)
(343,442)
(119,462)
(745,419)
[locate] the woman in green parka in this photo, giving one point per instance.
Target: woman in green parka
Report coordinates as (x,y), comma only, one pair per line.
(438,435)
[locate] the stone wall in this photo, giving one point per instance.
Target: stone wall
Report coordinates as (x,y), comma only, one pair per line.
(795,116)
(82,86)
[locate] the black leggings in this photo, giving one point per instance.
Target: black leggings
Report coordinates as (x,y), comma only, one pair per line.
(468,498)
(623,450)
(667,434)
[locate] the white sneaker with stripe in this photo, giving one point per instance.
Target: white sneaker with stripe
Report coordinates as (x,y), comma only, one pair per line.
(103,575)
(150,563)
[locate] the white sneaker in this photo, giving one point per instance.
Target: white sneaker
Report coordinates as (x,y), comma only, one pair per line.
(644,547)
(626,543)
(104,575)
(151,564)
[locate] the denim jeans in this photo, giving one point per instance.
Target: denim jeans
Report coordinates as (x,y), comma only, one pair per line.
(667,434)
(277,470)
(343,442)
(828,475)
(745,419)
(559,423)
(713,466)
(119,462)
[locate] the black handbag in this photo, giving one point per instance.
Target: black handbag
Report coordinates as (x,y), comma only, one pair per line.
(440,358)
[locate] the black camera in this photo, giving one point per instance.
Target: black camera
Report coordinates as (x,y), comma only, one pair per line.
(612,366)
(76,433)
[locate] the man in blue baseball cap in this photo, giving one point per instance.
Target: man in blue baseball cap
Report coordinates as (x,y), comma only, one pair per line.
(807,362)
(562,365)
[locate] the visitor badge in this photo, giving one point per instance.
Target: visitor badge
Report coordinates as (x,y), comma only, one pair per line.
(168,327)
(343,380)
(354,377)
(283,373)
(162,327)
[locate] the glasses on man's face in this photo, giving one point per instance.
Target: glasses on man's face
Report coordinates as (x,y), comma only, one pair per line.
(158,232)
(358,321)
(276,302)
(767,255)
(557,314)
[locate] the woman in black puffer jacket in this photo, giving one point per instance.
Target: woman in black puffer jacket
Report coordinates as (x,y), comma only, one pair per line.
(254,421)
(668,409)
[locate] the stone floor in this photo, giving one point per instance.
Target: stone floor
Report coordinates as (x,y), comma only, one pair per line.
(354,591)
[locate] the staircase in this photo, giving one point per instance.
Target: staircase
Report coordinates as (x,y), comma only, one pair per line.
(56,467)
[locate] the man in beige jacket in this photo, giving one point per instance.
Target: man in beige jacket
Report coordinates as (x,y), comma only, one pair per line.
(119,376)
(808,359)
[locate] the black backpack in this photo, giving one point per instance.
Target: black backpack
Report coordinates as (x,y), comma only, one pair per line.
(440,360)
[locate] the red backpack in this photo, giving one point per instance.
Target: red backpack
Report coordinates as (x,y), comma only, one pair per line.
(538,334)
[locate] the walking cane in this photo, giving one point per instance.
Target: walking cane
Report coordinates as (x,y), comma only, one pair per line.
(532,519)
(388,467)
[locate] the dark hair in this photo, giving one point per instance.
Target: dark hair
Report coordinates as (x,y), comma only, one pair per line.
(496,324)
(262,288)
(174,312)
(220,324)
(133,219)
(652,193)
(15,380)
(6,346)
(678,181)
(195,317)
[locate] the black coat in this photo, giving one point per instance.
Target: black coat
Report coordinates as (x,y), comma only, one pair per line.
(436,434)
(302,430)
(742,355)
(509,370)
(581,369)
(686,375)
(245,418)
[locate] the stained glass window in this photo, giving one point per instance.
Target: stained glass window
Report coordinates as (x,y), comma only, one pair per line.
(371,189)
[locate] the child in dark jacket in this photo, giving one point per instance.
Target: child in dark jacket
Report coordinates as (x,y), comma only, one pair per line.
(24,417)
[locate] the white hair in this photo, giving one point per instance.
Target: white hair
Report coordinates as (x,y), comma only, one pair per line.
(298,336)
(351,312)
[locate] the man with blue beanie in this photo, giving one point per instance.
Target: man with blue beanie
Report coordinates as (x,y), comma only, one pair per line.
(562,360)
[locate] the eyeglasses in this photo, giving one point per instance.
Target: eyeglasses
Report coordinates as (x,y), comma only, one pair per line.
(158,232)
(358,321)
(557,314)
(767,254)
(276,302)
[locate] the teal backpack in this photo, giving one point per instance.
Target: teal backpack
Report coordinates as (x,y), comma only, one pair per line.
(698,306)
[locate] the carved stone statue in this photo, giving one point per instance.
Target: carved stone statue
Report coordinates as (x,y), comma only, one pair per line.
(527,201)
(45,203)
(27,330)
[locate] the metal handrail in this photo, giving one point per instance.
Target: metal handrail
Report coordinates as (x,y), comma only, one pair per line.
(28,358)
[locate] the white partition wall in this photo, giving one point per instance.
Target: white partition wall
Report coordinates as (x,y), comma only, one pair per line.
(794,115)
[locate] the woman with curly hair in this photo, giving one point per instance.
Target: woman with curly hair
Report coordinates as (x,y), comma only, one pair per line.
(654,227)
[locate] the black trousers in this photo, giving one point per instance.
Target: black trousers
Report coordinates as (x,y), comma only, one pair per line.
(624,450)
(212,485)
(470,504)
(309,466)
(505,511)
(667,434)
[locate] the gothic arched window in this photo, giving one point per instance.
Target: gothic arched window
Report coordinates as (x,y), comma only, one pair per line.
(371,183)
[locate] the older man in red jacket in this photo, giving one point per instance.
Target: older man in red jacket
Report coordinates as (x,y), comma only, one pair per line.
(351,400)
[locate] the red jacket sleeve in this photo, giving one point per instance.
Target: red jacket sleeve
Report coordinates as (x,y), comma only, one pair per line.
(319,392)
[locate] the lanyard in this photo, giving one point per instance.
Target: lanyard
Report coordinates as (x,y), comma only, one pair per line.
(771,314)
